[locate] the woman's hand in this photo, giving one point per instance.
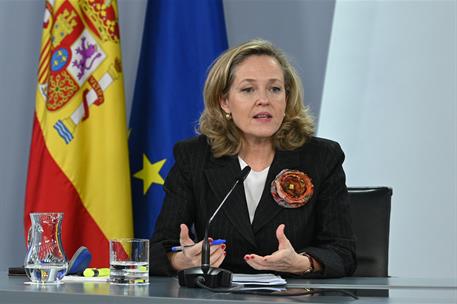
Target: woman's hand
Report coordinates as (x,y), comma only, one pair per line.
(285,259)
(190,256)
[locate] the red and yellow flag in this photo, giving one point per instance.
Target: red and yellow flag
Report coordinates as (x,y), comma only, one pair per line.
(78,160)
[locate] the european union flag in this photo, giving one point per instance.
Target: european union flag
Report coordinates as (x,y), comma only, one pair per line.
(180,40)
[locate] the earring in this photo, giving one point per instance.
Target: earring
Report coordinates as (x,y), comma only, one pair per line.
(228,116)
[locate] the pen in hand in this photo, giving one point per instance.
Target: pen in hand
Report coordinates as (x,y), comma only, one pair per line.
(180,248)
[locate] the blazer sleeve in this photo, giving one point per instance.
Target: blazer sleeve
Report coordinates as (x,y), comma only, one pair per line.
(334,242)
(176,209)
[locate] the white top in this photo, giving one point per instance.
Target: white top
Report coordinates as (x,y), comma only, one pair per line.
(253,187)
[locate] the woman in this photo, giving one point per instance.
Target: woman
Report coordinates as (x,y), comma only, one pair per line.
(291,214)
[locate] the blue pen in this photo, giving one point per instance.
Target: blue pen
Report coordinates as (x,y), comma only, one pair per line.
(180,248)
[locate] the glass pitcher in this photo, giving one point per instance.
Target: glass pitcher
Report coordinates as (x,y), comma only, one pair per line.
(45,261)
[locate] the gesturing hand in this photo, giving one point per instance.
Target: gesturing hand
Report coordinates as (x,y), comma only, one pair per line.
(285,259)
(190,256)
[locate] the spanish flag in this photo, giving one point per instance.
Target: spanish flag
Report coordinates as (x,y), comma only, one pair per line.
(78,158)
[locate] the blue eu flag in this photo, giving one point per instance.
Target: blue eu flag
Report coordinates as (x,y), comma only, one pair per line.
(180,40)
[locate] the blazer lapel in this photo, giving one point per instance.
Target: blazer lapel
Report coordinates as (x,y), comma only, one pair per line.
(268,208)
(221,176)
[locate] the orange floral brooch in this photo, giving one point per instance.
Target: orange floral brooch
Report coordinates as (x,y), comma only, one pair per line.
(292,188)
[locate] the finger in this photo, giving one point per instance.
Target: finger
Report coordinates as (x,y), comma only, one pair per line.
(276,256)
(254,259)
(272,261)
(217,257)
(184,238)
(253,256)
(256,264)
(194,250)
(213,248)
(265,264)
(218,250)
(283,241)
(253,265)
(218,262)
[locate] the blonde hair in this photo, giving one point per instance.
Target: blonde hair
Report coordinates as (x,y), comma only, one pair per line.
(223,135)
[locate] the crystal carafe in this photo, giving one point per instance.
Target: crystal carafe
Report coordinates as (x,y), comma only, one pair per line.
(45,261)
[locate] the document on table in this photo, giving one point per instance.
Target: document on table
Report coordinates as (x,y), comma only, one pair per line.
(264,281)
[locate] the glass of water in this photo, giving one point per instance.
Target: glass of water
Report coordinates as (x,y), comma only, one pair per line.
(129,261)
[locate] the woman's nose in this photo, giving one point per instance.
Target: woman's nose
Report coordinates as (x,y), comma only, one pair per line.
(262,97)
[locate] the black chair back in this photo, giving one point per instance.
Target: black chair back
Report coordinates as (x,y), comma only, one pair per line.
(370,208)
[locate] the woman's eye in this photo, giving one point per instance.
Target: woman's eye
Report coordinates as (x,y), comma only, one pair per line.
(276,89)
(247,90)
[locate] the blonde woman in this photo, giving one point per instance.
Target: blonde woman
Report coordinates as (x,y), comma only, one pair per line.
(291,215)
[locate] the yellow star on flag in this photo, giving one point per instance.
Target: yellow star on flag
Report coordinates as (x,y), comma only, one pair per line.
(150,173)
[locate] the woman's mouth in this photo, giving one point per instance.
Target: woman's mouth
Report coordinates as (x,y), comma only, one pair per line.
(263,116)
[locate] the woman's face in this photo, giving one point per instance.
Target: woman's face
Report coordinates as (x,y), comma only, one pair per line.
(257,97)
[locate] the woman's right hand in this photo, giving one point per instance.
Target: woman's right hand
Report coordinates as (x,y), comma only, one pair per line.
(190,256)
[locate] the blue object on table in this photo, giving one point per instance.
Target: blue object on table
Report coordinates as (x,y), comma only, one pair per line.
(80,261)
(180,248)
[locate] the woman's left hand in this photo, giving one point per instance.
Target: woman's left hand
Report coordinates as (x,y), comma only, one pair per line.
(285,259)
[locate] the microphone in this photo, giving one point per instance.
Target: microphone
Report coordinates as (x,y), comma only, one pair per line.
(210,276)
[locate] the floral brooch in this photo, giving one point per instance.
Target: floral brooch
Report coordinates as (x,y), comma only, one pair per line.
(292,188)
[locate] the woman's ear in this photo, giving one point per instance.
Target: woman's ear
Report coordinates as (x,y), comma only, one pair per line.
(223,102)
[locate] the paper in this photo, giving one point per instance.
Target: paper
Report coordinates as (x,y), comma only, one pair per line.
(241,287)
(261,282)
(263,279)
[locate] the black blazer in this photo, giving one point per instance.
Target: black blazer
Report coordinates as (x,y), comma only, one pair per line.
(198,182)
